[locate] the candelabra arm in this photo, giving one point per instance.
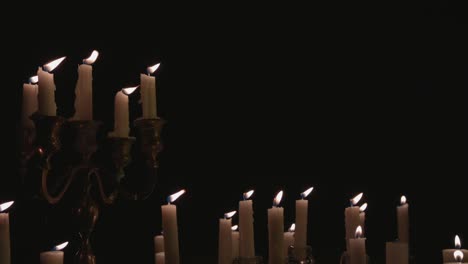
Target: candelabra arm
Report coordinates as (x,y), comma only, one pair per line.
(45,191)
(107,199)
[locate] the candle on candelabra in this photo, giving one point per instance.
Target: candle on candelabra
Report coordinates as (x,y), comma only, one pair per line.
(225,239)
(159,243)
(55,256)
(5,233)
(160,258)
(357,248)
(403,221)
(275,232)
(352,219)
(170,230)
(289,238)
(46,89)
(362,217)
(396,253)
(84,89)
(300,241)
(246,227)
(448,254)
(29,104)
(148,92)
(235,242)
(121,116)
(458,256)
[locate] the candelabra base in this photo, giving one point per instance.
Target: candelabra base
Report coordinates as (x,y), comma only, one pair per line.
(248,260)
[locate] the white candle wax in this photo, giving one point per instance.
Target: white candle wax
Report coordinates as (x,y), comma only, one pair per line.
(448,256)
(357,251)
(4,238)
(171,233)
(362,221)
(225,242)
(29,105)
(397,253)
(352,221)
(235,244)
(148,96)
(403,223)
(159,244)
(275,235)
(288,241)
(246,229)
(46,93)
(300,240)
(159,258)
(52,257)
(84,93)
(121,116)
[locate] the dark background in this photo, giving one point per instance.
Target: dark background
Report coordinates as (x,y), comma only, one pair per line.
(346,103)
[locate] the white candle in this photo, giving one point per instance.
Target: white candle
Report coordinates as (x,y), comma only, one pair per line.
(289,239)
(121,116)
(357,248)
(235,242)
(55,256)
(148,93)
(5,234)
(397,253)
(362,217)
(246,227)
(352,219)
(170,230)
(29,104)
(159,244)
(457,256)
(275,232)
(403,221)
(225,239)
(300,241)
(84,89)
(46,90)
(448,254)
(159,258)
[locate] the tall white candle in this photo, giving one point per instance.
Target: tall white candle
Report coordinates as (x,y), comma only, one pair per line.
(275,232)
(362,217)
(55,256)
(148,92)
(5,234)
(121,115)
(84,89)
(357,248)
(397,253)
(46,90)
(300,241)
(170,230)
(29,104)
(289,238)
(225,239)
(246,227)
(352,219)
(448,254)
(159,244)
(403,221)
(235,242)
(159,258)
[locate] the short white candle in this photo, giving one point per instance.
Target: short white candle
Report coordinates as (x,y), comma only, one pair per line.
(300,240)
(121,115)
(352,219)
(170,229)
(5,234)
(235,242)
(29,104)
(55,256)
(275,232)
(159,244)
(289,238)
(448,254)
(357,248)
(225,239)
(84,89)
(403,221)
(46,90)
(397,253)
(148,92)
(246,227)
(159,258)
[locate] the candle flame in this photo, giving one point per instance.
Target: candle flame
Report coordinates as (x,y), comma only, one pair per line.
(363,207)
(358,233)
(152,69)
(34,79)
(278,198)
(248,194)
(5,206)
(92,58)
(53,64)
(458,255)
(61,246)
(403,200)
(292,228)
(307,192)
(230,214)
(234,228)
(457,242)
(356,199)
(129,90)
(175,196)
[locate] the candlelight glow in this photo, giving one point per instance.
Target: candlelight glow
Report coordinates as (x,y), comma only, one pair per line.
(248,194)
(5,206)
(356,199)
(358,233)
(278,198)
(91,59)
(53,64)
(458,255)
(175,196)
(292,228)
(403,200)
(307,192)
(61,246)
(230,214)
(129,90)
(234,228)
(363,207)
(457,242)
(34,79)
(152,69)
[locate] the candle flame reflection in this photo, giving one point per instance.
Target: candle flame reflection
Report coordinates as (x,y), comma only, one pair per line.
(403,200)
(307,192)
(363,207)
(292,228)
(34,79)
(234,228)
(356,199)
(175,196)
(61,246)
(248,194)
(230,214)
(53,64)
(458,255)
(457,242)
(278,198)
(91,59)
(358,233)
(5,206)
(152,69)
(129,90)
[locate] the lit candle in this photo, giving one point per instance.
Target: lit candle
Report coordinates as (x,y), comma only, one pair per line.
(300,241)
(148,92)
(403,223)
(275,232)
(225,239)
(362,217)
(357,248)
(29,105)
(121,116)
(84,89)
(289,238)
(235,242)
(46,90)
(170,230)
(5,234)
(160,258)
(448,254)
(397,253)
(55,256)
(458,256)
(352,218)
(246,227)
(159,243)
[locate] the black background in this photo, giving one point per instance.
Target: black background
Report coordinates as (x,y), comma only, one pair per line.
(344,102)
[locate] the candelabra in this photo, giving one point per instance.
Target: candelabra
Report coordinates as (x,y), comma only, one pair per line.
(88,170)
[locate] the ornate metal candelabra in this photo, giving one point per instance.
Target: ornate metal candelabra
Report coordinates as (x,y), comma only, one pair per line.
(70,165)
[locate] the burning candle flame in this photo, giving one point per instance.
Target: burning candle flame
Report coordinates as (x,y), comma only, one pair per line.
(403,200)
(61,246)
(363,207)
(129,90)
(356,199)
(457,242)
(152,69)
(175,196)
(53,64)
(248,194)
(5,206)
(307,192)
(358,232)
(91,59)
(458,255)
(278,198)
(292,228)
(234,228)
(34,79)
(230,214)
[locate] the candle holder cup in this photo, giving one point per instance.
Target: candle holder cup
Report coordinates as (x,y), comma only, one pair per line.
(295,258)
